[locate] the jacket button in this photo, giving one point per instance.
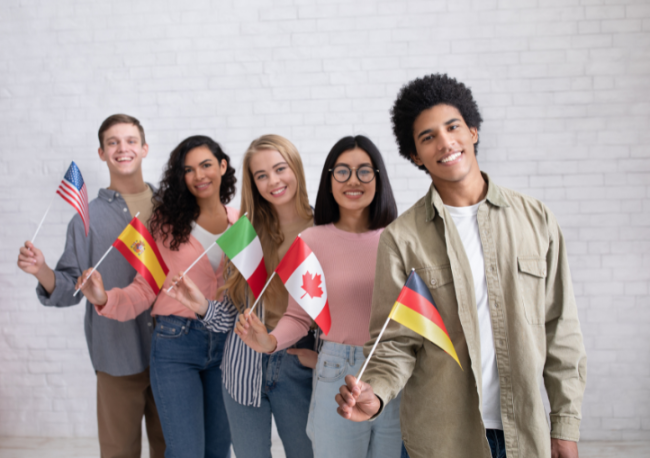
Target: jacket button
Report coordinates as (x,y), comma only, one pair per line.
(433,282)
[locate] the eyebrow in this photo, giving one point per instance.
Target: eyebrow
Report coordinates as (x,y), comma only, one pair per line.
(428,131)
(348,165)
(200,163)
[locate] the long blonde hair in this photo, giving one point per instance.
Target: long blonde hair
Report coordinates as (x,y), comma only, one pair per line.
(263,215)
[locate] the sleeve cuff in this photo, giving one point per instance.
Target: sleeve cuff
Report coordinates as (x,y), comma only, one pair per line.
(565,428)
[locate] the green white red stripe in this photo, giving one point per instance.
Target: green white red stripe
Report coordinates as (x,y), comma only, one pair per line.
(242,245)
(304,279)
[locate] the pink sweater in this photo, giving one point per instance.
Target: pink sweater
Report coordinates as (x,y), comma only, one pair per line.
(348,262)
(127,303)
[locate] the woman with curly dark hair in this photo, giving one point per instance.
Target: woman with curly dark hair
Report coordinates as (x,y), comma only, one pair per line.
(189,215)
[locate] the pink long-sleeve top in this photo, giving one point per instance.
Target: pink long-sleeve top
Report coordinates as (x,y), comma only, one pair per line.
(348,262)
(127,303)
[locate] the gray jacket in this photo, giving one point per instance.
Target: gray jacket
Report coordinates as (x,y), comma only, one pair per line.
(117,348)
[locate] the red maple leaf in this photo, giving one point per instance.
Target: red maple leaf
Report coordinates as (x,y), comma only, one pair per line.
(311,284)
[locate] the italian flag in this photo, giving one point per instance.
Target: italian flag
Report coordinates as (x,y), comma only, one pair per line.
(242,245)
(304,279)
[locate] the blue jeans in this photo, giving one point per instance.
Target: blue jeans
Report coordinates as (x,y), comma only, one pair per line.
(497,442)
(286,390)
(495,439)
(332,435)
(186,384)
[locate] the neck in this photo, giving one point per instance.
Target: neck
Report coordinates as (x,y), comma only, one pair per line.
(355,221)
(464,193)
(211,206)
(132,184)
(287,214)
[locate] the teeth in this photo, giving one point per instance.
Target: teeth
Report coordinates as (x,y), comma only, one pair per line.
(451,157)
(123,159)
(353,193)
(278,191)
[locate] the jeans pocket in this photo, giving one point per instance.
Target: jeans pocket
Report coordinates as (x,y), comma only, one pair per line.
(330,368)
(167,330)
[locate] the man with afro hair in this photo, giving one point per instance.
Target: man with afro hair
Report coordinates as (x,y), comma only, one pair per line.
(496,265)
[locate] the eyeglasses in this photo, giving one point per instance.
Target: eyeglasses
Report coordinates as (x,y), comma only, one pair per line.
(342,173)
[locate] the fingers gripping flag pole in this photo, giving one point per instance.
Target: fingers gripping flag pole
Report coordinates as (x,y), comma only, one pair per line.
(416,309)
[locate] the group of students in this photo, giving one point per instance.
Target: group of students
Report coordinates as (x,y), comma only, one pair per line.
(219,373)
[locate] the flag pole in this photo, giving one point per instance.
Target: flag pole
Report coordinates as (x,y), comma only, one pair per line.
(263,289)
(43,219)
(97,265)
(192,265)
(373,348)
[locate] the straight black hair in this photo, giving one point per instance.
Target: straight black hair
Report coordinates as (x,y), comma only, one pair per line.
(383,209)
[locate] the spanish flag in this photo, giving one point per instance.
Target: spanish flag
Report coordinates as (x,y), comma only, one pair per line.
(416,310)
(138,247)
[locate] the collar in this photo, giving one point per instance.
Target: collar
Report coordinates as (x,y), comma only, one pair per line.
(109,195)
(434,205)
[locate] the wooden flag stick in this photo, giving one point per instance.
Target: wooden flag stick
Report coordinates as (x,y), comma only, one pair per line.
(193,264)
(43,219)
(373,349)
(263,289)
(97,265)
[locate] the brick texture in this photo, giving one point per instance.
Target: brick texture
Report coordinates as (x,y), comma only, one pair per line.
(564,88)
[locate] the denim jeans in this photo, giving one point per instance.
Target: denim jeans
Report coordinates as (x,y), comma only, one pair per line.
(497,442)
(495,439)
(336,437)
(186,383)
(286,391)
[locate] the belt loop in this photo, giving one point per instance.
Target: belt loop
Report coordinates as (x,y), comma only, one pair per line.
(351,355)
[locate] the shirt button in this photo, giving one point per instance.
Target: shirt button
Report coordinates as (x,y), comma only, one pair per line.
(117,194)
(149,324)
(125,209)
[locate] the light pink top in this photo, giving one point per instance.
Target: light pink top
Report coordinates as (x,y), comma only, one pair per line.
(348,262)
(127,303)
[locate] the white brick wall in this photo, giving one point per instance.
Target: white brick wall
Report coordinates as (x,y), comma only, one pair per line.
(563,86)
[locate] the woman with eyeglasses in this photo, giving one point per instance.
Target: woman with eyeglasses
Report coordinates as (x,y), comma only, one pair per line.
(354,203)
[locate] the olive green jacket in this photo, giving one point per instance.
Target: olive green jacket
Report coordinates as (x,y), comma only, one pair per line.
(537,335)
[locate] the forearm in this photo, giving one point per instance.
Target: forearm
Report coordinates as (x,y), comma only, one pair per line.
(46,278)
(293,326)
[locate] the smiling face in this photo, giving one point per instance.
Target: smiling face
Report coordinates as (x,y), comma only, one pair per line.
(353,195)
(122,150)
(273,177)
(445,145)
(203,172)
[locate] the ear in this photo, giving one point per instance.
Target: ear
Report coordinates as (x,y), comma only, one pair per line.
(417,159)
(474,132)
(145,150)
(223,166)
(102,156)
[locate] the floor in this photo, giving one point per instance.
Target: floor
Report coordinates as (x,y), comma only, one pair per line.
(38,447)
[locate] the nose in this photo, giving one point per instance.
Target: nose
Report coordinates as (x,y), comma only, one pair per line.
(445,141)
(354,179)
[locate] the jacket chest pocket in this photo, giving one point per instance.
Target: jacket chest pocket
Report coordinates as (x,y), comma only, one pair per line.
(532,283)
(440,282)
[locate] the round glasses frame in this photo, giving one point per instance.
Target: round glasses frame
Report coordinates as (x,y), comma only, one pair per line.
(356,169)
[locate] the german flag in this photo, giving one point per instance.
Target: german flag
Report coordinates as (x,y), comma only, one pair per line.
(139,248)
(416,310)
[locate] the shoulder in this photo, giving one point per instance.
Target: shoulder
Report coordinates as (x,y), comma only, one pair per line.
(233,214)
(524,206)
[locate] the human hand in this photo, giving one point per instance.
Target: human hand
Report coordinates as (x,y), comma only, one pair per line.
(308,358)
(254,334)
(563,449)
(357,400)
(30,259)
(188,294)
(92,286)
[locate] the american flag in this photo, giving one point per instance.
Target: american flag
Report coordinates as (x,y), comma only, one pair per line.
(73,191)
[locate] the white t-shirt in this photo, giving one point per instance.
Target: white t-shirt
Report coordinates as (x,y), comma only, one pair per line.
(465,219)
(206,239)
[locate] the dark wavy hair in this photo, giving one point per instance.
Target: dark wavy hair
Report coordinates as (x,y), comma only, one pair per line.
(424,93)
(175,207)
(383,209)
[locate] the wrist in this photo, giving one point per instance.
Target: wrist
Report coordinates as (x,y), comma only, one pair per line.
(272,344)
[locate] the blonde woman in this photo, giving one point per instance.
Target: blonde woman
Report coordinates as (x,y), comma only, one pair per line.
(257,386)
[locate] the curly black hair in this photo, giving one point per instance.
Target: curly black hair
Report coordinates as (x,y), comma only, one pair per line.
(424,93)
(175,207)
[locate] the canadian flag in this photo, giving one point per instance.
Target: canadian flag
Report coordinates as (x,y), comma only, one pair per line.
(303,277)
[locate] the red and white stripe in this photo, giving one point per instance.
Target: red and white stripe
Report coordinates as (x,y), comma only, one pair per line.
(77,198)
